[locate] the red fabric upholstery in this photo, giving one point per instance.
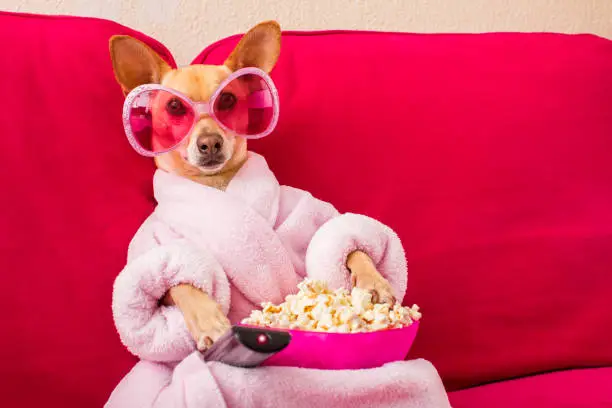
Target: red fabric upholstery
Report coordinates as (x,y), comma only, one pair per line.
(565,389)
(491,155)
(73,195)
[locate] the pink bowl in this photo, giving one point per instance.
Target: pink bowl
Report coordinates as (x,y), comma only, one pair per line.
(339,351)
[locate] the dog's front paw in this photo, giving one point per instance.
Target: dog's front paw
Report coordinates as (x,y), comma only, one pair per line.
(365,276)
(373,282)
(207,324)
(203,316)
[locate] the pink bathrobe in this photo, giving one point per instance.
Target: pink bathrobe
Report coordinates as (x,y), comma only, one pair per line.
(250,244)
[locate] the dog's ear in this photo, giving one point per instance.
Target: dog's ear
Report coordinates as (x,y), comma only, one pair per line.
(259,47)
(135,63)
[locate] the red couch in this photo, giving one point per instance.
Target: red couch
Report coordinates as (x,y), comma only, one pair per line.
(490,155)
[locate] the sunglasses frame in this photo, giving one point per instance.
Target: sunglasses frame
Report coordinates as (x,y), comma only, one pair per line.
(199,108)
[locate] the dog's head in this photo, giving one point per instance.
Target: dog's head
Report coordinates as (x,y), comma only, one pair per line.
(209,149)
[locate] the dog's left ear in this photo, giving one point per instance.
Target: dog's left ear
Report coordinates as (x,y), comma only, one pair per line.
(259,47)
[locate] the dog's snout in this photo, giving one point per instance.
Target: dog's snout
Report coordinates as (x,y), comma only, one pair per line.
(210,144)
(210,150)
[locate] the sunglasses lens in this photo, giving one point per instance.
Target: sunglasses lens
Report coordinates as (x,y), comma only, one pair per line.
(246,105)
(159,120)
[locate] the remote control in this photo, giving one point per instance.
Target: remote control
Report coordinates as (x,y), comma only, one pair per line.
(247,347)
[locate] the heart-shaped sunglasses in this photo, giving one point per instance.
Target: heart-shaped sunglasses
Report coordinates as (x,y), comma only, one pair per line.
(157,119)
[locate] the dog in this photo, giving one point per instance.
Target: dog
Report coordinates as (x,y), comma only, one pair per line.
(212,155)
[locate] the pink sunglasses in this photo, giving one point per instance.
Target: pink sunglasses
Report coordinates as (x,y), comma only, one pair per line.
(157,119)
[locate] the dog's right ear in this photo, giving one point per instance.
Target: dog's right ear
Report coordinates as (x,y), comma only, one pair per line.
(135,63)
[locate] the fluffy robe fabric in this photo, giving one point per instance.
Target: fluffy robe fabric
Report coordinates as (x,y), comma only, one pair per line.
(250,244)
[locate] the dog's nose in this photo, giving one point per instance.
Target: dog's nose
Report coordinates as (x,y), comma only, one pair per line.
(210,144)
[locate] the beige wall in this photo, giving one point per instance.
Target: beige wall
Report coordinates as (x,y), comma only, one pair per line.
(187,26)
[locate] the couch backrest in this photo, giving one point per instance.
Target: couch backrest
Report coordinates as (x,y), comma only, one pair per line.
(72,195)
(491,155)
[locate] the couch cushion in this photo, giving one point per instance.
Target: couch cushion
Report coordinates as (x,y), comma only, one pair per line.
(567,389)
(73,195)
(491,155)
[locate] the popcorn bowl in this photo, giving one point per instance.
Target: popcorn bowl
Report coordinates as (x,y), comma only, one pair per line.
(345,351)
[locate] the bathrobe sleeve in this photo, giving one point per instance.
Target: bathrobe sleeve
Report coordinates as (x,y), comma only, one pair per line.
(328,238)
(158,259)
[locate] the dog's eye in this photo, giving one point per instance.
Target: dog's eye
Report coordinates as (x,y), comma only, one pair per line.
(226,101)
(175,107)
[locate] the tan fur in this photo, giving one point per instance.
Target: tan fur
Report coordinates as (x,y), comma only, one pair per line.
(249,53)
(135,64)
(365,276)
(199,82)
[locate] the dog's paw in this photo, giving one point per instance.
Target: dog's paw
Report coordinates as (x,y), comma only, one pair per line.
(203,317)
(207,324)
(373,282)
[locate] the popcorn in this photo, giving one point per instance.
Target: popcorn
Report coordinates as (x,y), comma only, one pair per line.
(361,300)
(316,308)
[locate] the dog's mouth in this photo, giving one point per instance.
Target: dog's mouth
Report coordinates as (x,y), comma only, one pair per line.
(207,162)
(211,164)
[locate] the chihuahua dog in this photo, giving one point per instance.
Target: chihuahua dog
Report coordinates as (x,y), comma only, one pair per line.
(212,156)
